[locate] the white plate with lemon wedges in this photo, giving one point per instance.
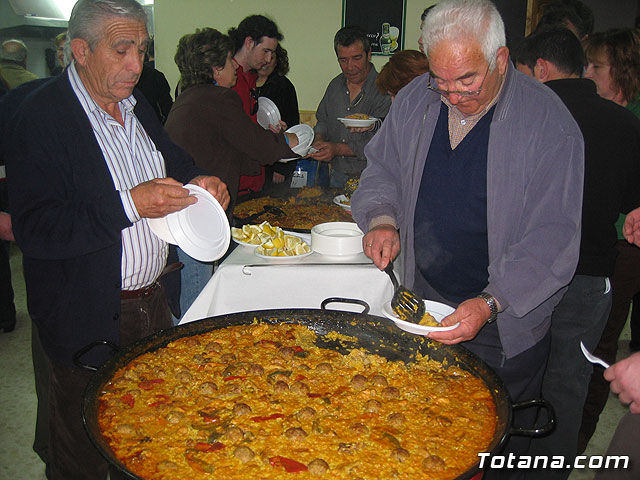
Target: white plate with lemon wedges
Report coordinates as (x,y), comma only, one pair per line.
(271,243)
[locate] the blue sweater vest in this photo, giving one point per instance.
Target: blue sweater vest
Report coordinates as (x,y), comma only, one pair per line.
(451,213)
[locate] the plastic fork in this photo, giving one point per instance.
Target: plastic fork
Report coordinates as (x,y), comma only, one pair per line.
(405,303)
(592,358)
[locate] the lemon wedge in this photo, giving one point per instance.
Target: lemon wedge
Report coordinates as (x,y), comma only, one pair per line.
(291,241)
(265,227)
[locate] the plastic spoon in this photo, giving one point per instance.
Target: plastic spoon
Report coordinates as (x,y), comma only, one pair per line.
(592,358)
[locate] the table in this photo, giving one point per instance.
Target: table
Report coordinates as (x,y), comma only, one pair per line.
(302,283)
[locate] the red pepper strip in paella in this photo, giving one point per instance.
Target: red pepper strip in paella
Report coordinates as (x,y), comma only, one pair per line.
(289,465)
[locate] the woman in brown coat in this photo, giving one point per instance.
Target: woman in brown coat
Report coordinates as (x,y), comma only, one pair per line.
(208,121)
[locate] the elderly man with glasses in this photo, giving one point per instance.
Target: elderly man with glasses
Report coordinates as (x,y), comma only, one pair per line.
(476,178)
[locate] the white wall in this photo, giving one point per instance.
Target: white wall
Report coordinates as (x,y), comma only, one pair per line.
(308,27)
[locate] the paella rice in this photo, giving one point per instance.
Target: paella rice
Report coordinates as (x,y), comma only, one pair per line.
(263,401)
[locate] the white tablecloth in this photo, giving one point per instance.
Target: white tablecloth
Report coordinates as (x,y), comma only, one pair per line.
(235,287)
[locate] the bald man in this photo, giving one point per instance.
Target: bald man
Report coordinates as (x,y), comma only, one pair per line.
(13,63)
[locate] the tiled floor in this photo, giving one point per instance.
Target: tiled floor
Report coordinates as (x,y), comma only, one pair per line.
(18,400)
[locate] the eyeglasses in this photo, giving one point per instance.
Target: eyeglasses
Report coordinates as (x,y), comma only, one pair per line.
(462,93)
(254,101)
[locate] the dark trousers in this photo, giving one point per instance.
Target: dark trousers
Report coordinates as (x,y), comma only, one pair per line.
(625,283)
(72,455)
(522,376)
(7,307)
(580,316)
(41,373)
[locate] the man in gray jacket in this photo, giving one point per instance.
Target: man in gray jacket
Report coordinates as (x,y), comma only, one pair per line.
(476,178)
(353,91)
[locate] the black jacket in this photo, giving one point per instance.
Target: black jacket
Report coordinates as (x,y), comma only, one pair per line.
(612,169)
(67,217)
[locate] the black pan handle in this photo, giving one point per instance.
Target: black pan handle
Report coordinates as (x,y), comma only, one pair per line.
(355,301)
(87,348)
(542,430)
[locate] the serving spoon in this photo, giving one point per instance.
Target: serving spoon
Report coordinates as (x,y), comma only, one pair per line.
(406,304)
(592,358)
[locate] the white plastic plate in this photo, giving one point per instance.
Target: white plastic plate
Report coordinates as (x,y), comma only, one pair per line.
(268,113)
(436,309)
(341,200)
(358,122)
(202,229)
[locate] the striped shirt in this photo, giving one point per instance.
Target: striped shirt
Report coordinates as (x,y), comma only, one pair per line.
(132,158)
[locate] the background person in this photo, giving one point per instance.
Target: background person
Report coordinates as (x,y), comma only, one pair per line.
(353,91)
(207,120)
(624,378)
(9,106)
(60,41)
(572,14)
(400,70)
(254,41)
(612,162)
(457,165)
(273,84)
(614,66)
(631,227)
(154,86)
(13,63)
(79,210)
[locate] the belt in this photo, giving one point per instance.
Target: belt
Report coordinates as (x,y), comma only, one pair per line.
(148,290)
(140,293)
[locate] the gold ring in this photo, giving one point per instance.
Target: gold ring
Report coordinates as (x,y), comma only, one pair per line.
(369,244)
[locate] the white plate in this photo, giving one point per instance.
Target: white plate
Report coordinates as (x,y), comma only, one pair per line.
(202,229)
(358,122)
(245,244)
(160,229)
(280,259)
(268,113)
(341,200)
(436,309)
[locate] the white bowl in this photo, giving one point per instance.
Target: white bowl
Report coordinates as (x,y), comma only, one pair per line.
(336,238)
(201,230)
(305,136)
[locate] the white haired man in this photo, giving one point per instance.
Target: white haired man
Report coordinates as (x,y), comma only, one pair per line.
(80,196)
(476,178)
(13,63)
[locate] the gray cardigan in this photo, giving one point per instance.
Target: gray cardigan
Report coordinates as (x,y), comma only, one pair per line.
(534,196)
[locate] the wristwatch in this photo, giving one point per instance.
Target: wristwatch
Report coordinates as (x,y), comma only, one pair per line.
(493,305)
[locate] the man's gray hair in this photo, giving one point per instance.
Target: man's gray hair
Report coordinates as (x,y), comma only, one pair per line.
(89,17)
(455,19)
(14,50)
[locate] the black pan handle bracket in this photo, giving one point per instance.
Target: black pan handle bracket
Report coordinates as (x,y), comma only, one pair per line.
(538,431)
(354,301)
(86,349)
